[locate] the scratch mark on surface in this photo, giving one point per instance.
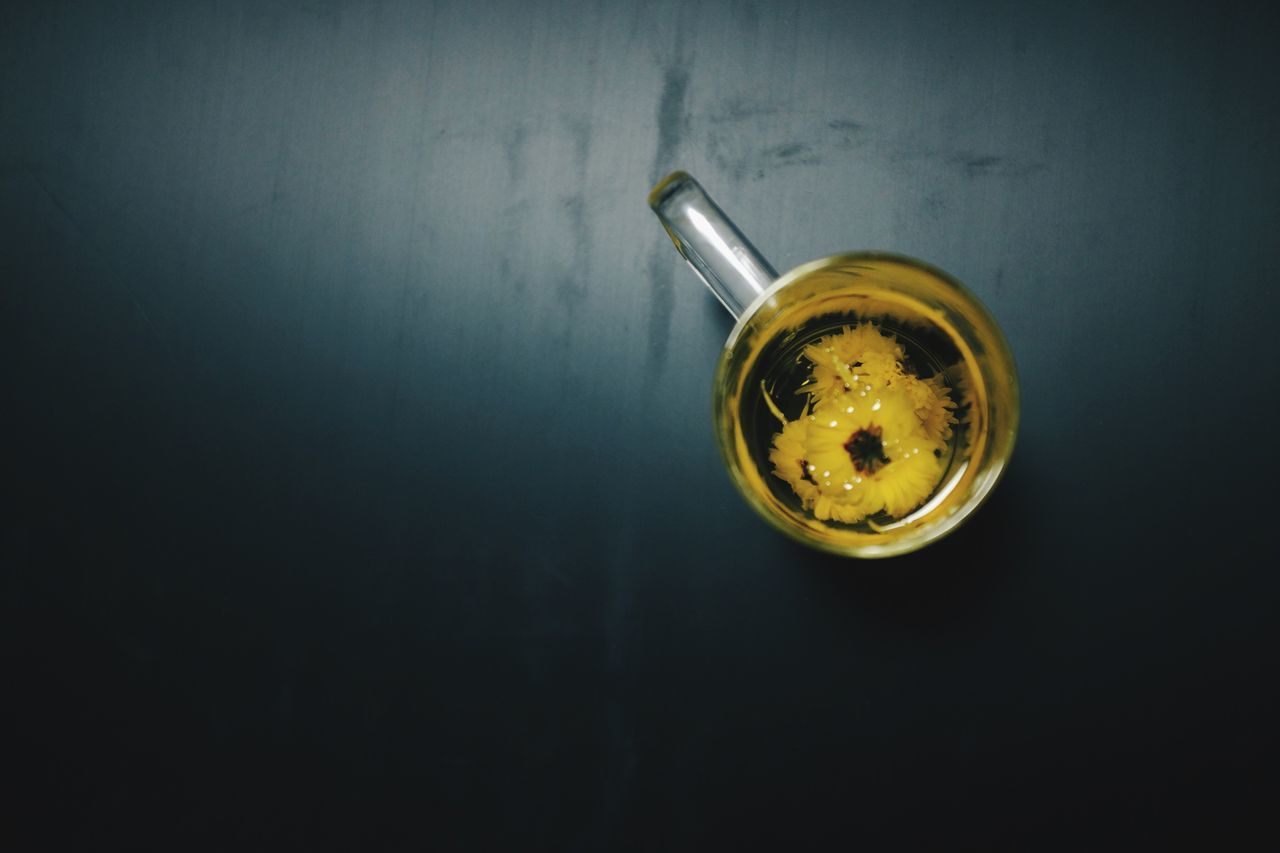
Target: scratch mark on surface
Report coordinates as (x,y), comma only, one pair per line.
(741,163)
(505,273)
(579,131)
(979,165)
(671,118)
(789,151)
(57,203)
(66,214)
(671,126)
(935,205)
(742,109)
(662,302)
(844,124)
(571,290)
(513,144)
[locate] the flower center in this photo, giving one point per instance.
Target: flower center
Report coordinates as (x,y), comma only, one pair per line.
(867,450)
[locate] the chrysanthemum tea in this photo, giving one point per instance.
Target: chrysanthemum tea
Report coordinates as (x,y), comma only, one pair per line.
(865,403)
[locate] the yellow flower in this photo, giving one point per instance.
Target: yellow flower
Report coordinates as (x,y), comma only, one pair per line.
(838,359)
(850,510)
(872,434)
(872,452)
(862,360)
(935,407)
(789,463)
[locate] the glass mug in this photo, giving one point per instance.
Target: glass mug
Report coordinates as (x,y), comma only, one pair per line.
(807,439)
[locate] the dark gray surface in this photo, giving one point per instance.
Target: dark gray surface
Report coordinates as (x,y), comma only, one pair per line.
(360,449)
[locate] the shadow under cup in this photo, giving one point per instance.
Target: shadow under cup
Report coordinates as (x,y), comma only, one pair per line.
(915,301)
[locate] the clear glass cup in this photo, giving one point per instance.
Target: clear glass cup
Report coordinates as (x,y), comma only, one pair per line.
(776,315)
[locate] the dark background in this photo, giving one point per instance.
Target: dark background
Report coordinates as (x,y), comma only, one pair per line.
(361,484)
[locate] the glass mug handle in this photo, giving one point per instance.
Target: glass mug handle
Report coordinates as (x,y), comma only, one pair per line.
(714,247)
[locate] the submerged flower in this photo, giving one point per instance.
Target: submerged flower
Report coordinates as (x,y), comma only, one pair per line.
(840,361)
(871,437)
(875,450)
(935,408)
(789,462)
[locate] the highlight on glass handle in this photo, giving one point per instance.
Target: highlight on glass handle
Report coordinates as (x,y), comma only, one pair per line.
(714,247)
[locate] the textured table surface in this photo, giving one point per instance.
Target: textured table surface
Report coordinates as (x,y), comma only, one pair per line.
(362,485)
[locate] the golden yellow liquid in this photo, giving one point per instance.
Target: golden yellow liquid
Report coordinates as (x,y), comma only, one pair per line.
(943,328)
